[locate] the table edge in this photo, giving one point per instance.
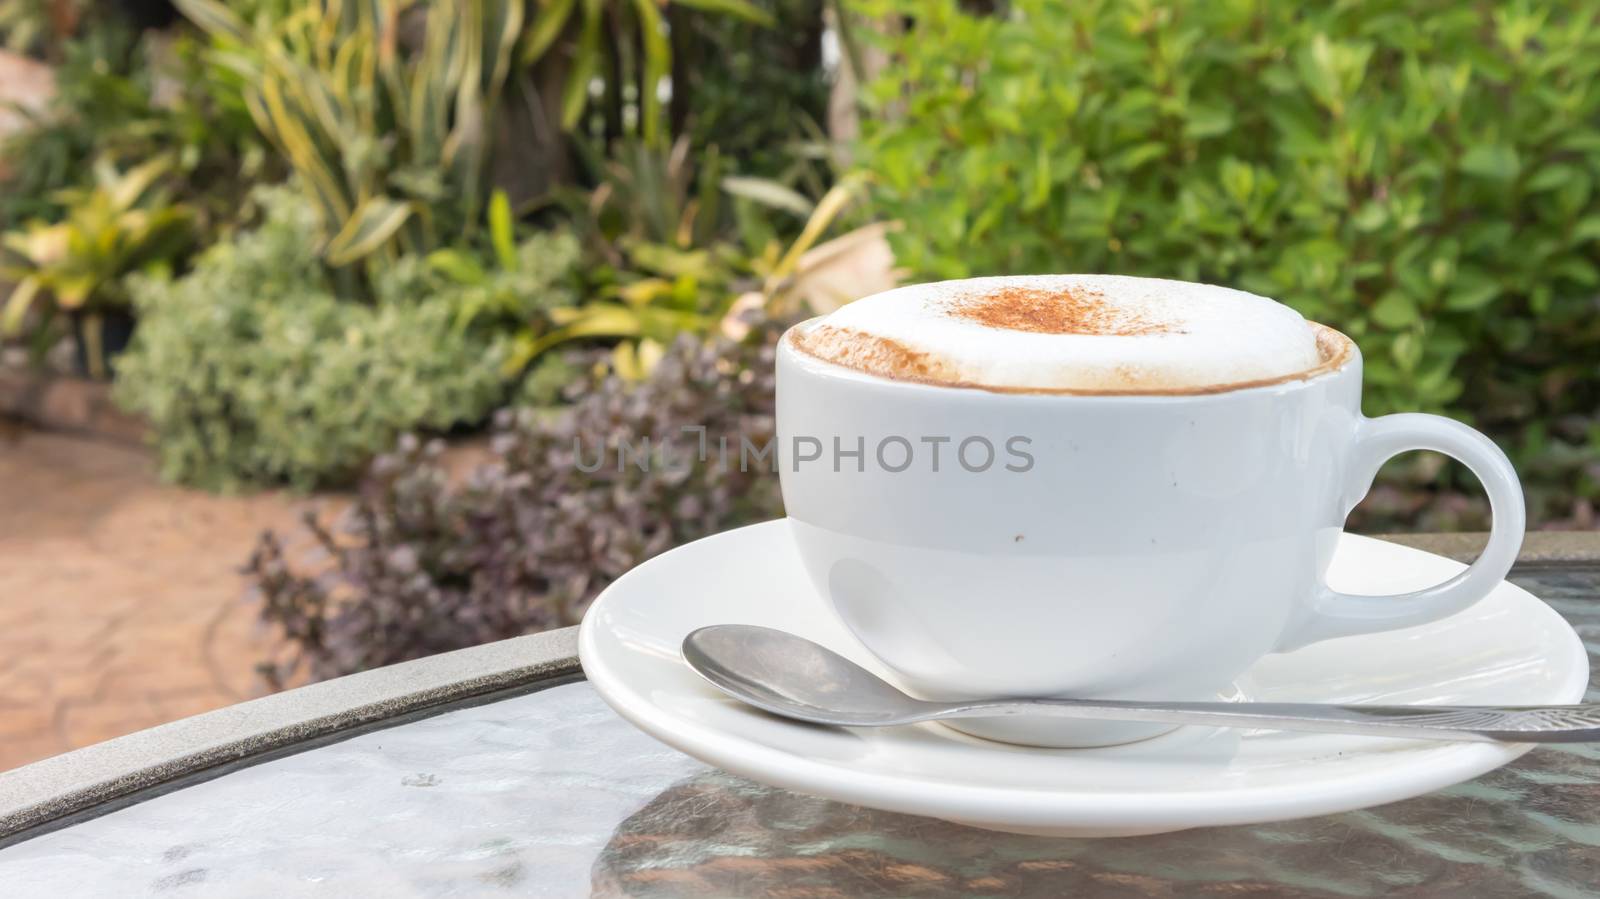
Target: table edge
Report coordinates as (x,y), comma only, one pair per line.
(38,797)
(1540,549)
(35,796)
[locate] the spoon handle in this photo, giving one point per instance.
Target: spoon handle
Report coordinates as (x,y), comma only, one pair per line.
(1512,724)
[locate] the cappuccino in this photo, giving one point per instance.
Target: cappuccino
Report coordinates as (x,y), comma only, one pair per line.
(1073,334)
(1112,515)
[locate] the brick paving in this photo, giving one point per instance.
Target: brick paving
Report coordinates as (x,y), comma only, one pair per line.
(121,605)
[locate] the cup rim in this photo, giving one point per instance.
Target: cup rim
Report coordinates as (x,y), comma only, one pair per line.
(1339,353)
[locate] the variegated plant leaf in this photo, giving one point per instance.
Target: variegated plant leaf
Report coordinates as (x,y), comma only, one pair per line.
(18,304)
(547,25)
(371,224)
(214,18)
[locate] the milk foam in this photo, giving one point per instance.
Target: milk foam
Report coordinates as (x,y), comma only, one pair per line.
(1069,332)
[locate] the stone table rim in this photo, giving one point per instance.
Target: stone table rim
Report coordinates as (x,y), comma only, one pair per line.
(98,779)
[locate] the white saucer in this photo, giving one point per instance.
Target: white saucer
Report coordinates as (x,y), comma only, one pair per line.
(1508,649)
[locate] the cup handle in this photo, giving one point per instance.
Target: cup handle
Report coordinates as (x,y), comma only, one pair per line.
(1333,614)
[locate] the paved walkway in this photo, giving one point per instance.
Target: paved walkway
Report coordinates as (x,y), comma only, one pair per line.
(121,605)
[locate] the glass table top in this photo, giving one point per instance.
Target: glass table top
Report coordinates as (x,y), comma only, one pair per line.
(551,794)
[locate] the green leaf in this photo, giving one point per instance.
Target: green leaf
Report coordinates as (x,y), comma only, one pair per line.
(1588,228)
(73,291)
(1238,179)
(657,63)
(585,63)
(41,244)
(1406,351)
(1039,191)
(1551,177)
(501,232)
(1472,296)
(591,320)
(1208,120)
(666,260)
(1540,298)
(736,8)
(17,305)
(767,193)
(1494,161)
(459,267)
(828,208)
(546,27)
(1578,270)
(1395,310)
(371,224)
(214,18)
(1319,72)
(1138,155)
(1371,217)
(127,189)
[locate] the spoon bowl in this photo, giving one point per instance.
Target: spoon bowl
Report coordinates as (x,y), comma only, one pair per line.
(796,678)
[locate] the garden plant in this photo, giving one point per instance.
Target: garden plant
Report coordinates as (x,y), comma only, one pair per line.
(346,231)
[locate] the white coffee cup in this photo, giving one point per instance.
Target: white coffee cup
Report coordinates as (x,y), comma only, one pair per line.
(1116,546)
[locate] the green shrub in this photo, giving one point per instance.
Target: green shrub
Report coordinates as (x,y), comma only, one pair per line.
(1421,175)
(251,370)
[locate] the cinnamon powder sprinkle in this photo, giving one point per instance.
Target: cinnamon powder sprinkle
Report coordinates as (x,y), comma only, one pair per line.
(1069,310)
(872,354)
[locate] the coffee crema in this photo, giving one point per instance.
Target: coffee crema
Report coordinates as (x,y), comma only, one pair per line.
(1083,334)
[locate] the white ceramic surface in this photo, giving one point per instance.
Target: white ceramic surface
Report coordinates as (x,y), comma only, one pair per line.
(1508,649)
(1125,547)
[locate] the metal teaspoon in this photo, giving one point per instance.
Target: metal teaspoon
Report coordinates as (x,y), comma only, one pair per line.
(793,677)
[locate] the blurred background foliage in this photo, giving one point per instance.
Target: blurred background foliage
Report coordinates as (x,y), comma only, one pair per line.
(125,96)
(1421,175)
(383,112)
(443,152)
(251,368)
(357,221)
(122,225)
